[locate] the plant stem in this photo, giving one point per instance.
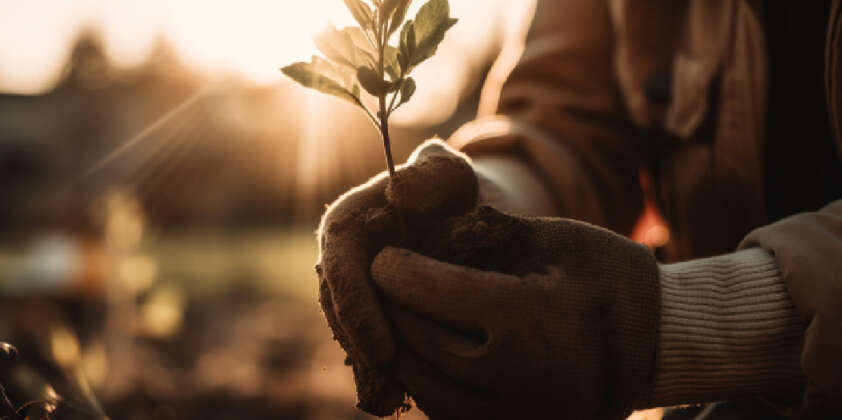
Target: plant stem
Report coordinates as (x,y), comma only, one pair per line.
(384,113)
(394,98)
(384,131)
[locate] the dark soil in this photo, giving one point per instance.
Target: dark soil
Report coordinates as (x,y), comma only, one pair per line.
(484,239)
(432,210)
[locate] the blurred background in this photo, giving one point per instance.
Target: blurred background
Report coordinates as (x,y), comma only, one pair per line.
(160,182)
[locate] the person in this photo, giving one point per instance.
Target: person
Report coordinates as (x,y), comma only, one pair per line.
(734,107)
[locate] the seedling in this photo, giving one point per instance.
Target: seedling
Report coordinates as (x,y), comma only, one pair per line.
(363,56)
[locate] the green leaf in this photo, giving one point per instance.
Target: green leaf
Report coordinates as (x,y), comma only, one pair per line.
(361,12)
(407,90)
(399,16)
(317,75)
(387,9)
(407,44)
(345,76)
(372,82)
(391,63)
(365,54)
(337,46)
(403,61)
(431,24)
(410,41)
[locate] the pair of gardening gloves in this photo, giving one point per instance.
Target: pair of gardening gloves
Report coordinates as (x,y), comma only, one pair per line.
(564,324)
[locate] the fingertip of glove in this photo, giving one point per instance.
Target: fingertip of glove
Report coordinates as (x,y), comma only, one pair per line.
(379,393)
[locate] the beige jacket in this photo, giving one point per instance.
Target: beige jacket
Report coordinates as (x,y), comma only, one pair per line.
(582,106)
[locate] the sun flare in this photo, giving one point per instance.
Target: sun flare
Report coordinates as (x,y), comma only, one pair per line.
(252,38)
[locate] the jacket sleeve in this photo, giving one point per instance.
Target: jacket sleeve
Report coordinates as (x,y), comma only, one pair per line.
(808,250)
(561,110)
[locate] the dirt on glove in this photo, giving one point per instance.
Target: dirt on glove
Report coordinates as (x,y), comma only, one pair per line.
(484,239)
(439,220)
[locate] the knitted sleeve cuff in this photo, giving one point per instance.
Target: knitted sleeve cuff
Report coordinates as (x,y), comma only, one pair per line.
(728,330)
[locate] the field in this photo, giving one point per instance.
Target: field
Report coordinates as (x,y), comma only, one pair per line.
(222,325)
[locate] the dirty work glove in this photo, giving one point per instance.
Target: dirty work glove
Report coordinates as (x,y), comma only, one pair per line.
(436,182)
(569,332)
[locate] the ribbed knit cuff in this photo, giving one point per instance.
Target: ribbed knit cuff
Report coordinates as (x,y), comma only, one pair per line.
(728,330)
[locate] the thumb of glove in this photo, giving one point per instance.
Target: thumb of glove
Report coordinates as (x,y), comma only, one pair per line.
(438,181)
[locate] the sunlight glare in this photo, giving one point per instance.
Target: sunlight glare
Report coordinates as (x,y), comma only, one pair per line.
(34,41)
(253,37)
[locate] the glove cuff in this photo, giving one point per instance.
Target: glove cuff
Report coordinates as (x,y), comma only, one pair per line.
(634,319)
(728,330)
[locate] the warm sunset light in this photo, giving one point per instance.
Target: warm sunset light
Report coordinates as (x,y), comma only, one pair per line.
(419,209)
(161,179)
(252,38)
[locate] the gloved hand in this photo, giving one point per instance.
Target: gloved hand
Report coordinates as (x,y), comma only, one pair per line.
(569,333)
(437,182)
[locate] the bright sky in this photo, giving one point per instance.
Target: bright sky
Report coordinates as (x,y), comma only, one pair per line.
(250,37)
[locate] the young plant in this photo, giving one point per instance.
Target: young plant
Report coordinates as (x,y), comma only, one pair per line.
(363,56)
